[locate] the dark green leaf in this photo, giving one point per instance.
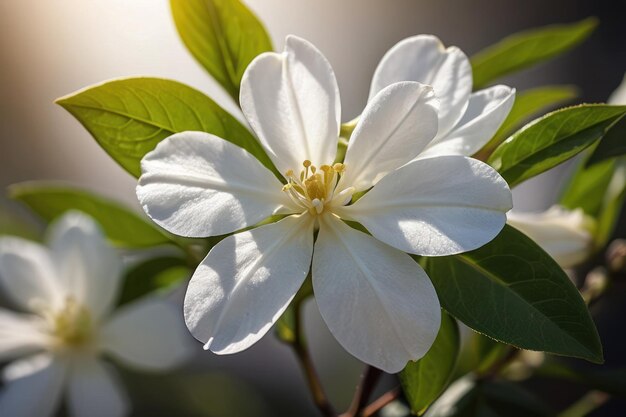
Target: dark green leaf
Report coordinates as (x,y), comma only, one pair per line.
(552,139)
(423,381)
(152,275)
(611,381)
(129,117)
(523,49)
(514,292)
(613,144)
(470,398)
(223,35)
(527,104)
(121,225)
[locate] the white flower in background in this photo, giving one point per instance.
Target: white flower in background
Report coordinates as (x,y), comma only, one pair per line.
(377,302)
(565,234)
(619,95)
(67,291)
(467,121)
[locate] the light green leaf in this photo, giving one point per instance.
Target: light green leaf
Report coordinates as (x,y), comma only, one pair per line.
(129,117)
(152,275)
(552,139)
(223,35)
(12,223)
(523,49)
(612,145)
(479,354)
(599,190)
(423,381)
(121,225)
(527,104)
(513,292)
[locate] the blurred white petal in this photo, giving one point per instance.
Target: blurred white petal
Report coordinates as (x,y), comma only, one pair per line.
(21,334)
(148,334)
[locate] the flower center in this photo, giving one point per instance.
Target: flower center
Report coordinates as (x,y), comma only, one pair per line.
(314,189)
(71,325)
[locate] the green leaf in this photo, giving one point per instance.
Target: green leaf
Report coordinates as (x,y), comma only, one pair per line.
(121,225)
(514,292)
(423,381)
(599,190)
(479,354)
(611,381)
(523,49)
(11,223)
(223,35)
(129,117)
(470,398)
(552,139)
(527,104)
(613,144)
(151,275)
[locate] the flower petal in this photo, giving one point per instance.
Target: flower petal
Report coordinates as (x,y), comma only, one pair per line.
(196,184)
(36,391)
(20,334)
(88,268)
(424,59)
(148,334)
(377,301)
(394,128)
(94,390)
(564,234)
(246,282)
(485,113)
(27,272)
(435,206)
(291,100)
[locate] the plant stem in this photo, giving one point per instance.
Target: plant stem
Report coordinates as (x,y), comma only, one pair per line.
(364,391)
(306,362)
(585,405)
(380,402)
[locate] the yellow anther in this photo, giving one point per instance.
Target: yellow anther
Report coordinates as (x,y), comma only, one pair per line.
(287,186)
(289,173)
(313,169)
(339,167)
(306,163)
(325,168)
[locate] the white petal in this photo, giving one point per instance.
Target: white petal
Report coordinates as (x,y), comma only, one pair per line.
(393,129)
(377,301)
(94,390)
(435,206)
(485,113)
(148,334)
(564,234)
(246,282)
(424,59)
(20,334)
(27,274)
(291,100)
(196,184)
(619,95)
(38,391)
(88,268)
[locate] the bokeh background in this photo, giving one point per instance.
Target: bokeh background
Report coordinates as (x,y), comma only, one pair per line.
(51,48)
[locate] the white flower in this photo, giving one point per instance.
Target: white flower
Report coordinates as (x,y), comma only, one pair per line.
(467,121)
(67,292)
(619,95)
(377,302)
(564,234)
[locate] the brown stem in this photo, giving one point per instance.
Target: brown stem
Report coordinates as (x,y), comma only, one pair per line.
(363,391)
(315,386)
(380,402)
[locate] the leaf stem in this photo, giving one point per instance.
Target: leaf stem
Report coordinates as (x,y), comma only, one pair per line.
(380,402)
(306,362)
(586,404)
(363,391)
